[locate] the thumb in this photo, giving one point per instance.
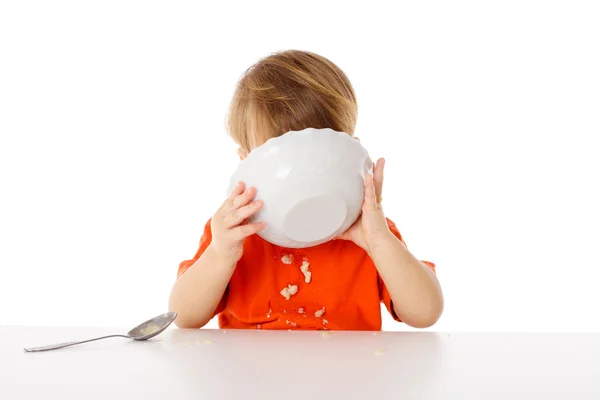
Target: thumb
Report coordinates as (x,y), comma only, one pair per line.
(370,203)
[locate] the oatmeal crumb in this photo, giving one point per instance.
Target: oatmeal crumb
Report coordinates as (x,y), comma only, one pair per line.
(289,291)
(149,329)
(259,326)
(287,259)
(301,310)
(293,289)
(325,334)
(293,324)
(325,322)
(208,341)
(320,313)
(304,268)
(379,352)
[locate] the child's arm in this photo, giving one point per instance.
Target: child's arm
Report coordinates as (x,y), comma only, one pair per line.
(197,292)
(413,287)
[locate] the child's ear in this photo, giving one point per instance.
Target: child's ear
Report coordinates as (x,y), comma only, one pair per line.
(242,154)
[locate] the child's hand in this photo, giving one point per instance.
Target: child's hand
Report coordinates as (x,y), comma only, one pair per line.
(371,227)
(229,227)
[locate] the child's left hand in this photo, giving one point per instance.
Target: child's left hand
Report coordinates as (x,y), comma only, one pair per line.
(371,228)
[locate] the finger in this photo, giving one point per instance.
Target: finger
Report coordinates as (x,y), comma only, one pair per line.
(370,197)
(243,231)
(239,188)
(240,200)
(244,198)
(378,177)
(236,217)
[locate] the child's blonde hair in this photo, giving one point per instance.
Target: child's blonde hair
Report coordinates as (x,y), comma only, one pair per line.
(290,91)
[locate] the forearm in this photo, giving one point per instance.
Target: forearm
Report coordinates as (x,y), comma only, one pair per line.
(197,293)
(413,287)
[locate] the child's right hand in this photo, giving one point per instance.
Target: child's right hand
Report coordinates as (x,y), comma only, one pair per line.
(229,226)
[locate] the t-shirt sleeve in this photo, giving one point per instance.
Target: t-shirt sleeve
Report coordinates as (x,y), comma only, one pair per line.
(383,292)
(205,240)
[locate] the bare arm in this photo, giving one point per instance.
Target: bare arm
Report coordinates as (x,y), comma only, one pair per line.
(415,291)
(413,287)
(197,292)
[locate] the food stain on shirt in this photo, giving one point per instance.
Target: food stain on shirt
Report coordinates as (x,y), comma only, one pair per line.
(320,313)
(304,268)
(289,291)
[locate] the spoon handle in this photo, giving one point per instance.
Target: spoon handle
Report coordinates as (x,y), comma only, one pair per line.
(67,344)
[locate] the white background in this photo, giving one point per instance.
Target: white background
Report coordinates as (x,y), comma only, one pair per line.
(113,151)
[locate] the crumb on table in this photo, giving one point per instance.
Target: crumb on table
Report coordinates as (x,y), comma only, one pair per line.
(301,310)
(287,259)
(320,313)
(379,352)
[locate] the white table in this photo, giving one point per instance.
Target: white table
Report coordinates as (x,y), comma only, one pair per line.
(284,365)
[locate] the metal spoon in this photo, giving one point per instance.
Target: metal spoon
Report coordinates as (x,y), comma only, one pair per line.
(143,331)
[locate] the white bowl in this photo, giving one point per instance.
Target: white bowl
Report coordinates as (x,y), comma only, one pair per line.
(311,183)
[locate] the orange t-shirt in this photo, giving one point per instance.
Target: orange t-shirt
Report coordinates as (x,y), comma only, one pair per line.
(344,291)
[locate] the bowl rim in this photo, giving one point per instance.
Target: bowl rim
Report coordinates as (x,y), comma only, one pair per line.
(287,134)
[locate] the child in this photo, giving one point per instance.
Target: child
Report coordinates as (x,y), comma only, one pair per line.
(252,284)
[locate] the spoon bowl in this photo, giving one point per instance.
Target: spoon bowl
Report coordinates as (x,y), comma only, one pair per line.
(152,327)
